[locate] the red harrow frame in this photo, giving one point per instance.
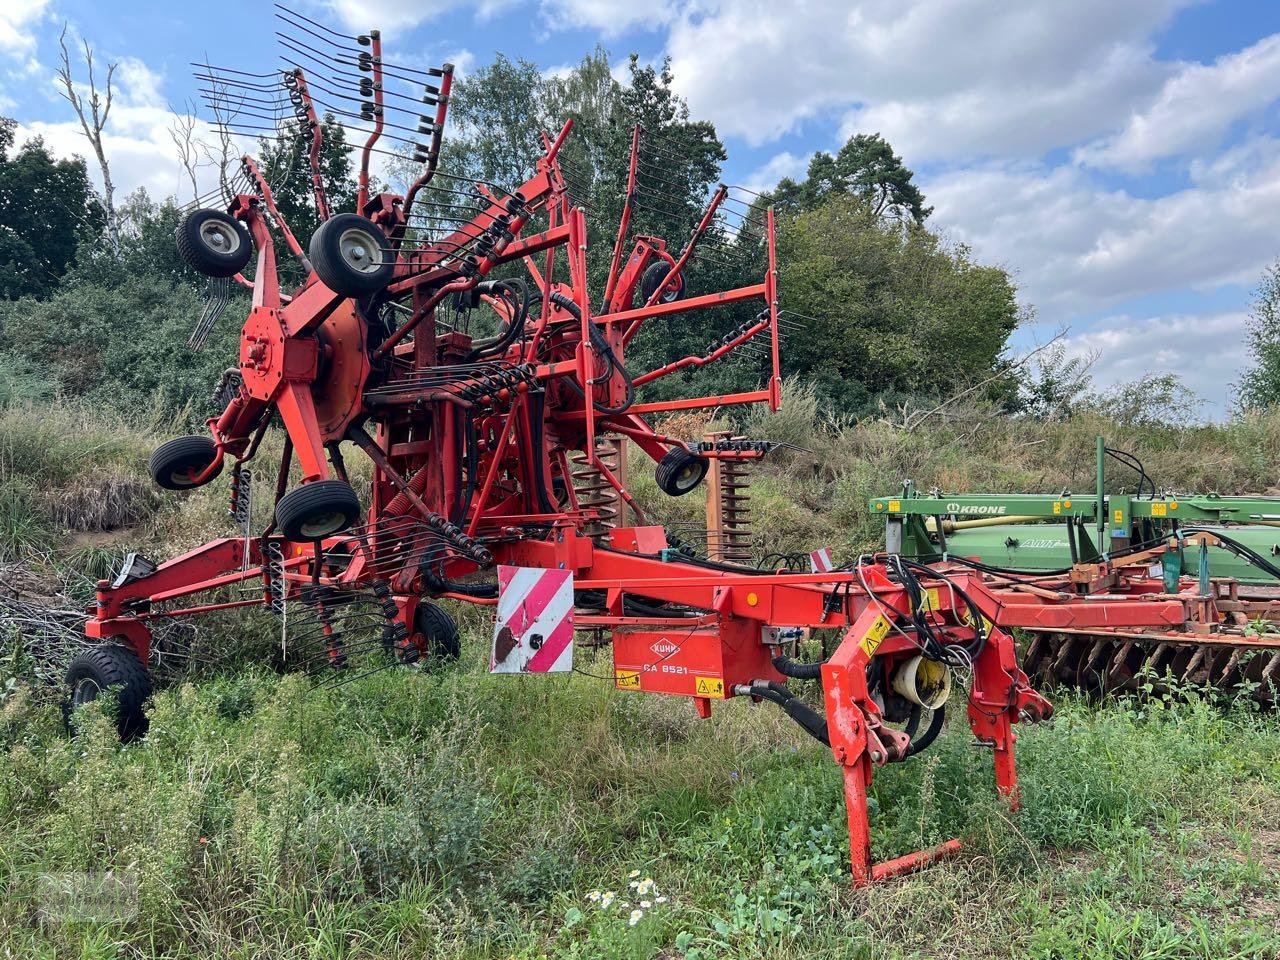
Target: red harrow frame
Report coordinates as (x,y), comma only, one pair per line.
(470,440)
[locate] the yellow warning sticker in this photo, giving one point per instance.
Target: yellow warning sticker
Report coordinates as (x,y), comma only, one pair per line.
(933,600)
(1159,510)
(1057,507)
(895,506)
(1119,516)
(875,636)
(708,686)
(626,679)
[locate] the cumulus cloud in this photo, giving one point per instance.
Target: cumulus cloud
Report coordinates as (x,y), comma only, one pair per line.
(1079,248)
(18,18)
(390,15)
(785,164)
(1194,109)
(1188,345)
(975,77)
(609,17)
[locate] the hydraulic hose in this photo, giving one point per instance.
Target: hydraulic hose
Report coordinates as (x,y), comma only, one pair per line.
(796,669)
(602,347)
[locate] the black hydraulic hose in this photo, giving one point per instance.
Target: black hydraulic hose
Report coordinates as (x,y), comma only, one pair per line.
(536,407)
(925,740)
(796,669)
(496,346)
(1240,550)
(602,347)
(810,720)
(438,584)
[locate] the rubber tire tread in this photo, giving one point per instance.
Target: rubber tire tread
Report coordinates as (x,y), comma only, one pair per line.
(200,258)
(299,505)
(326,258)
(670,466)
(115,665)
(440,630)
(191,451)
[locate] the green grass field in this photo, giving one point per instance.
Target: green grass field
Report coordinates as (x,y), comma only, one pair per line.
(453,814)
(461,815)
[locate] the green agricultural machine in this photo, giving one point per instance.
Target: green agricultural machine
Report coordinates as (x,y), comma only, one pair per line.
(1219,556)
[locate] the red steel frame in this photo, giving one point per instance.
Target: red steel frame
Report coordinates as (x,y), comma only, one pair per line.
(472,454)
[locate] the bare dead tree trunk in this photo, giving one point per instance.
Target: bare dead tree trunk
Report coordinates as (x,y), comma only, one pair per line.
(93,120)
(192,151)
(225,111)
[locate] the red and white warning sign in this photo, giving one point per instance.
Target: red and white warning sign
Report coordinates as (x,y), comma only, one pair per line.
(534,629)
(820,561)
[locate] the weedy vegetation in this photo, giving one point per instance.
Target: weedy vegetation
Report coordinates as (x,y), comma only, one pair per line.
(454,814)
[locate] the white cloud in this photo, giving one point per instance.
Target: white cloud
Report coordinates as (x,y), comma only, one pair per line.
(972,77)
(390,15)
(1194,109)
(610,17)
(1188,345)
(17,20)
(1078,248)
(785,164)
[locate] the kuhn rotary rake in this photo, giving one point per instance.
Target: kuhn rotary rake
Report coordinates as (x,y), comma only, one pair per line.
(488,453)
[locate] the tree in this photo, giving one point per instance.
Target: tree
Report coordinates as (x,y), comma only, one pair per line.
(93,121)
(286,165)
(865,167)
(47,207)
(1260,386)
(889,311)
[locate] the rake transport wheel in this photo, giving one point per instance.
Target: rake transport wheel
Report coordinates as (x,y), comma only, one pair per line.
(111,667)
(352,256)
(653,275)
(177,464)
(680,471)
(213,243)
(439,633)
(317,510)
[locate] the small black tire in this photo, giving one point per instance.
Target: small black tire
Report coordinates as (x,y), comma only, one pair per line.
(439,630)
(352,256)
(654,275)
(680,471)
(317,510)
(177,463)
(109,666)
(213,243)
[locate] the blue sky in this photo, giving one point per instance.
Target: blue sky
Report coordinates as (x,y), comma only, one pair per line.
(1121,159)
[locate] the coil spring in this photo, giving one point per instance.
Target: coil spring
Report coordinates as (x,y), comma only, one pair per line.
(229,386)
(395,635)
(487,386)
(594,492)
(319,598)
(241,507)
(275,578)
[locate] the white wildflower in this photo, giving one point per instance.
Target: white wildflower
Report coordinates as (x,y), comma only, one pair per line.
(593,896)
(662,900)
(606,900)
(635,917)
(646,904)
(634,873)
(644,886)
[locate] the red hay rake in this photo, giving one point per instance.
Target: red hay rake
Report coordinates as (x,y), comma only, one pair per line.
(477,444)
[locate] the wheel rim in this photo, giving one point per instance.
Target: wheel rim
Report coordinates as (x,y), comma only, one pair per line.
(360,251)
(219,237)
(687,478)
(185,476)
(86,691)
(323,524)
